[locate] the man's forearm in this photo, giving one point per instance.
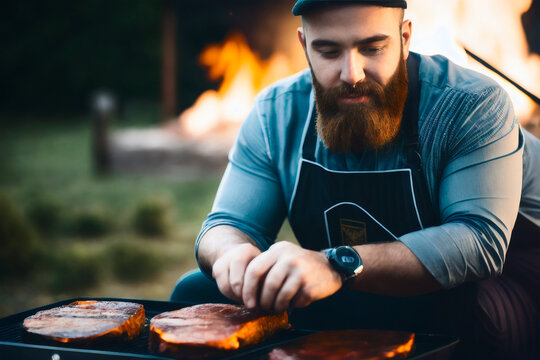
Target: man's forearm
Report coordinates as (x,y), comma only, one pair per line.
(217,241)
(392,269)
(389,268)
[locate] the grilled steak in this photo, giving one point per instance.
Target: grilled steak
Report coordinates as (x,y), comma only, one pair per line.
(211,329)
(87,321)
(347,344)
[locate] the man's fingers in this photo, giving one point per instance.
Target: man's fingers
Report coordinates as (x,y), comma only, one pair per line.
(228,270)
(236,277)
(220,272)
(301,299)
(285,296)
(254,275)
(272,284)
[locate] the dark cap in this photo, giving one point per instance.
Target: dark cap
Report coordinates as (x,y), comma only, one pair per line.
(302,6)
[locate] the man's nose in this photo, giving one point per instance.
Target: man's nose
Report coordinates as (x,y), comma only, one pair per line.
(352,69)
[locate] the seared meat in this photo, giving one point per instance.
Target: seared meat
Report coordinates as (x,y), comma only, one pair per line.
(211,329)
(347,344)
(86,321)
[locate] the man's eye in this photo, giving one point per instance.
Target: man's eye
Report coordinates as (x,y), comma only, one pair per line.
(374,50)
(330,53)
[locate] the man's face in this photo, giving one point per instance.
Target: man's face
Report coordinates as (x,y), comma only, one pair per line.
(357,58)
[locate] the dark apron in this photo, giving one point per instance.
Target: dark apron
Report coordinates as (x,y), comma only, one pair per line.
(358,207)
(332,208)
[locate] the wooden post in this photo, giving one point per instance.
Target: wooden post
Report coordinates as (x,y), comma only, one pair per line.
(169,61)
(103,106)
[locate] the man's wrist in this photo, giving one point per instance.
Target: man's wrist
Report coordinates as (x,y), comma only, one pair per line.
(332,269)
(346,261)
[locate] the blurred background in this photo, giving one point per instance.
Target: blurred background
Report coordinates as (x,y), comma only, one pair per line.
(116,118)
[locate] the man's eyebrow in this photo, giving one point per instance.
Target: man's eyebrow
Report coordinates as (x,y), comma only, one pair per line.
(368,40)
(372,39)
(323,42)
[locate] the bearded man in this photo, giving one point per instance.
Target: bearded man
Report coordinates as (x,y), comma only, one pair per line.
(401,176)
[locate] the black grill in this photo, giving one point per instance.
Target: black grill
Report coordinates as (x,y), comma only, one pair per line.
(13,345)
(14,342)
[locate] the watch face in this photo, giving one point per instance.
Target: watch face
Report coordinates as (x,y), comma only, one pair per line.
(347,258)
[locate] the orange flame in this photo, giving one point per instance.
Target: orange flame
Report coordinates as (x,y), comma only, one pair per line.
(446,27)
(244,74)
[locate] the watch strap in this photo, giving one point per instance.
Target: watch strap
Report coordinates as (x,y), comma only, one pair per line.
(346,274)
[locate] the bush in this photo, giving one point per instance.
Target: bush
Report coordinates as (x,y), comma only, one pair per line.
(152,217)
(17,240)
(46,214)
(134,262)
(76,268)
(93,222)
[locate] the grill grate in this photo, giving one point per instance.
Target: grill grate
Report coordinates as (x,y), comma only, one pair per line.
(11,333)
(11,330)
(12,339)
(14,345)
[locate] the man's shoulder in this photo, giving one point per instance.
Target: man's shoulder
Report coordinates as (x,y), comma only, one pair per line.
(440,72)
(297,85)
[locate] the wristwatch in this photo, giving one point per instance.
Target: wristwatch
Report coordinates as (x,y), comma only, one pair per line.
(345,260)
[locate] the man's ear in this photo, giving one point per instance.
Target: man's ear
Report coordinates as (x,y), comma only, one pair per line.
(406,32)
(301,37)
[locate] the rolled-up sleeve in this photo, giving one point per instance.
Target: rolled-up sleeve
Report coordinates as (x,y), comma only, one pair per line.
(478,197)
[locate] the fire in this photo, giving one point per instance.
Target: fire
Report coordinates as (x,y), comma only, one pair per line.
(244,75)
(444,27)
(449,26)
(401,349)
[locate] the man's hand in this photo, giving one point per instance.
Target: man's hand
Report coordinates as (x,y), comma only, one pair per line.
(229,269)
(287,275)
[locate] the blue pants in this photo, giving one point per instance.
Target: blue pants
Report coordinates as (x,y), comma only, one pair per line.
(196,288)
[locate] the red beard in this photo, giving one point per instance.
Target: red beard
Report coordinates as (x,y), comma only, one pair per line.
(356,127)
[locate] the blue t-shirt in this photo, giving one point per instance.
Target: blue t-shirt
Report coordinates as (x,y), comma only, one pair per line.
(472,150)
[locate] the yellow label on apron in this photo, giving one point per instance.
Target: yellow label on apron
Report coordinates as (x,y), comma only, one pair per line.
(353,232)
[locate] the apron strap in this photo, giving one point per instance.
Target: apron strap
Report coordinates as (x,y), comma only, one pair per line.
(412,145)
(410,114)
(310,139)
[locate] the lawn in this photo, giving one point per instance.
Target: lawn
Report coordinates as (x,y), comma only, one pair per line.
(83,237)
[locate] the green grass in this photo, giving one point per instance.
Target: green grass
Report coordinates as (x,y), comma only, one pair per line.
(46,173)
(51,160)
